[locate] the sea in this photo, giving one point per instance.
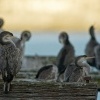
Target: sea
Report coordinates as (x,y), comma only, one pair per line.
(47,43)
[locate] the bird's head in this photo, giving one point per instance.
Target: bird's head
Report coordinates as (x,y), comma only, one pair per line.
(6,38)
(1,22)
(91,31)
(80,61)
(26,35)
(63,38)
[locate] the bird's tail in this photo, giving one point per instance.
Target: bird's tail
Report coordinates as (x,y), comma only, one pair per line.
(6,87)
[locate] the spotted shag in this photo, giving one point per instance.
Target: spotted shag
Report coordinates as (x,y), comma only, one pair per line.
(66,54)
(48,72)
(89,50)
(10,59)
(77,70)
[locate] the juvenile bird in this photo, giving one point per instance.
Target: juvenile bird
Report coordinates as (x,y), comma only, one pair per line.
(66,54)
(77,70)
(89,51)
(64,58)
(10,59)
(48,72)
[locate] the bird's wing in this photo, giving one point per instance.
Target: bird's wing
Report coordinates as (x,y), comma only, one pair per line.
(19,44)
(76,75)
(14,59)
(97,55)
(90,48)
(2,59)
(60,60)
(89,51)
(18,60)
(65,57)
(69,55)
(68,72)
(61,57)
(43,70)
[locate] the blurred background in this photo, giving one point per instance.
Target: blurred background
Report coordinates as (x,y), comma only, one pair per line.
(50,14)
(47,18)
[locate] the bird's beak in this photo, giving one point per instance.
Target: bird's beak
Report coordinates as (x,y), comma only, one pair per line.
(89,58)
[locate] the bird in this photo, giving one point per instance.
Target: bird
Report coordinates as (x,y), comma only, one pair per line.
(66,54)
(89,50)
(64,58)
(78,69)
(97,56)
(1,24)
(48,72)
(20,42)
(10,59)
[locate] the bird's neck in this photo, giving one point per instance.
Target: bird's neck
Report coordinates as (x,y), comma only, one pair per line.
(22,43)
(92,35)
(67,42)
(78,66)
(23,40)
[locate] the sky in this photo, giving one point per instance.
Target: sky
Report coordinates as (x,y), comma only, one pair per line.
(50,15)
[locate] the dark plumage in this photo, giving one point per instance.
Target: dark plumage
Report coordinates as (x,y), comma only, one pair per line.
(66,54)
(77,70)
(64,58)
(10,59)
(97,56)
(47,72)
(89,51)
(1,24)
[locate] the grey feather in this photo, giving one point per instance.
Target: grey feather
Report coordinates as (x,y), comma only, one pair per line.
(89,50)
(76,76)
(11,59)
(66,55)
(97,55)
(20,43)
(13,55)
(68,72)
(77,70)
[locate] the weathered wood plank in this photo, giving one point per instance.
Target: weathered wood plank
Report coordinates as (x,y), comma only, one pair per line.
(50,91)
(50,98)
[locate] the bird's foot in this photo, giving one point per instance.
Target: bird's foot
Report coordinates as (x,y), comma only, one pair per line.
(6,87)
